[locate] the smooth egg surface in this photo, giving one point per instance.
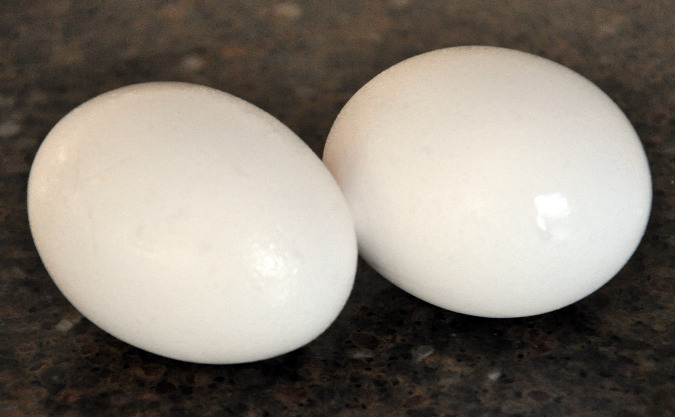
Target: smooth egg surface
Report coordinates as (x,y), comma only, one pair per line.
(192,224)
(489,181)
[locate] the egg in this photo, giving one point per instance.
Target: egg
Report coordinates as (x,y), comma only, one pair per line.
(489,181)
(191,224)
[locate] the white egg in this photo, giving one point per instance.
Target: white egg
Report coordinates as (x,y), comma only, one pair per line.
(192,224)
(489,181)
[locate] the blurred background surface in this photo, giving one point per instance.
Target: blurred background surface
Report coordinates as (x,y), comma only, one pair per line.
(388,354)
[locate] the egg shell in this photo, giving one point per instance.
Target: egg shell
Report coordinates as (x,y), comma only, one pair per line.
(490,181)
(192,224)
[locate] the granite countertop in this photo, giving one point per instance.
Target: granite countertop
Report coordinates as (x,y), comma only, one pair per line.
(388,354)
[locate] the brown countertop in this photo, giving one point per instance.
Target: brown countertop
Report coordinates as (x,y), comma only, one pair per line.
(388,354)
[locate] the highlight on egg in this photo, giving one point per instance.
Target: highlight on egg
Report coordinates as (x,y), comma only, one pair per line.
(191,224)
(489,181)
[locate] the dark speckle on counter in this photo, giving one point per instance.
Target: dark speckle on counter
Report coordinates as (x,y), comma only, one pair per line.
(388,354)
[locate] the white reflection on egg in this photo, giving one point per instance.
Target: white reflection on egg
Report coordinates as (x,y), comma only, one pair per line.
(552,215)
(271,271)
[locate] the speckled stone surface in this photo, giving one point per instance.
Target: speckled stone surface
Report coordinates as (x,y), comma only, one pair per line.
(388,354)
